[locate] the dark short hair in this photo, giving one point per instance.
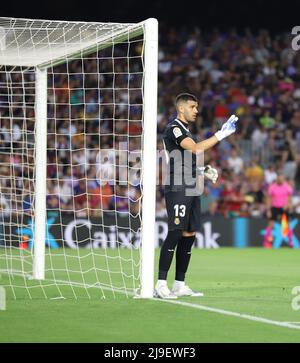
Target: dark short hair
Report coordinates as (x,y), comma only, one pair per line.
(184,97)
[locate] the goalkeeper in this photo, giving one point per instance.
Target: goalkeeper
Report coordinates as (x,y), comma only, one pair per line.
(184,210)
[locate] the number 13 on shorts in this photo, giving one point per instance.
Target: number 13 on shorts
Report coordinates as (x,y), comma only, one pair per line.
(179,210)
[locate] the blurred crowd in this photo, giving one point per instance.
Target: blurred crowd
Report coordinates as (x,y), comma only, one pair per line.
(255,76)
(97,106)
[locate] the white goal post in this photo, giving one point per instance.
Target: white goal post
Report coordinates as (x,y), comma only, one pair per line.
(31,54)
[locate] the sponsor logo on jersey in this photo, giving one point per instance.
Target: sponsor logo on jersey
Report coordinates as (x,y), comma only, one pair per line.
(177,132)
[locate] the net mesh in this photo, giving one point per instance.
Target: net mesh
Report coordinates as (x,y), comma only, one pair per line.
(94,141)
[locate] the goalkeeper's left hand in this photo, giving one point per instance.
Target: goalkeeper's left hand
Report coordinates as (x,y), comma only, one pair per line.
(228,128)
(211,173)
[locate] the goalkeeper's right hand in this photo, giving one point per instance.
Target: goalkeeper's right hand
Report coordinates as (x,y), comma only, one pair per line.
(228,128)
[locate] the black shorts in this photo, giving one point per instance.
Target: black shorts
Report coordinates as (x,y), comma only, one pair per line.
(276,214)
(183,211)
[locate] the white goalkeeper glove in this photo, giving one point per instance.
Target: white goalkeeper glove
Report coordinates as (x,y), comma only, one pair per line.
(209,172)
(228,128)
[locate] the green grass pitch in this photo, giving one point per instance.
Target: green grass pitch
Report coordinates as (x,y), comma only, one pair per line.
(251,281)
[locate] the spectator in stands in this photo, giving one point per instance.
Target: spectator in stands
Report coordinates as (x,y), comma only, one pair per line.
(270,174)
(255,196)
(289,158)
(233,200)
(64,192)
(235,162)
(296,203)
(4,204)
(259,137)
(213,210)
(52,202)
(253,75)
(266,120)
(80,195)
(254,172)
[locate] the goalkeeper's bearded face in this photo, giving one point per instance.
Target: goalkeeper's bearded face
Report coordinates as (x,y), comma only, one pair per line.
(189,110)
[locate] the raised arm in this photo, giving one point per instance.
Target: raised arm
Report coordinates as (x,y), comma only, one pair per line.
(227,129)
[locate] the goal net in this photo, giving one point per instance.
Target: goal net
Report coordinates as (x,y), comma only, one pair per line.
(77,158)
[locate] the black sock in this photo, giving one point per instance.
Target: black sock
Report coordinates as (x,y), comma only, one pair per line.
(183,256)
(167,252)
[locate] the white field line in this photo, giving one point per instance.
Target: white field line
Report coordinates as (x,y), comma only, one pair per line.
(290,325)
(292,322)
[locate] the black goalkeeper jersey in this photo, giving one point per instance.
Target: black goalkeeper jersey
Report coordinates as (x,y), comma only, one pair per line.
(182,163)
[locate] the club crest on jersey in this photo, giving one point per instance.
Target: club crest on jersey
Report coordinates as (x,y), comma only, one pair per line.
(176,221)
(177,132)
